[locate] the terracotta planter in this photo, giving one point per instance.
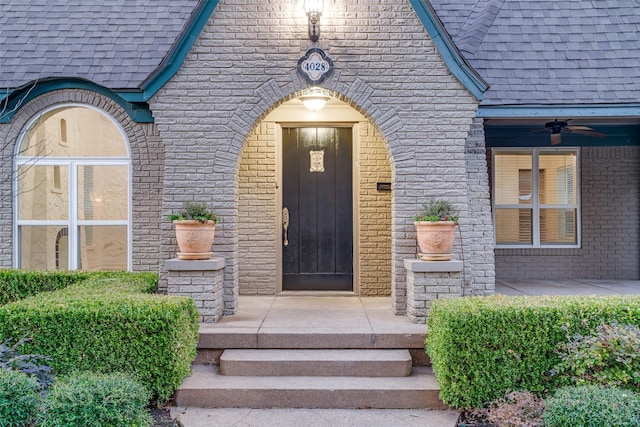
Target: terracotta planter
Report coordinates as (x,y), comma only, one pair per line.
(195,239)
(435,239)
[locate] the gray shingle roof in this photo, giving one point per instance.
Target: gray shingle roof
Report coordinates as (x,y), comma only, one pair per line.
(115,43)
(529,51)
(549,51)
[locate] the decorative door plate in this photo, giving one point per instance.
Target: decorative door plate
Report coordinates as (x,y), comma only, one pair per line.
(317,161)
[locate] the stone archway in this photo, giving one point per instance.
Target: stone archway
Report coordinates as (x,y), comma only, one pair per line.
(259,212)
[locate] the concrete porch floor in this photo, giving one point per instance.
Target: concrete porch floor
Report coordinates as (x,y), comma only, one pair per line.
(568,287)
(337,313)
(331,319)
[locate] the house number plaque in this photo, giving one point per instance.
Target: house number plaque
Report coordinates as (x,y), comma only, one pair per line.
(317,161)
(315,66)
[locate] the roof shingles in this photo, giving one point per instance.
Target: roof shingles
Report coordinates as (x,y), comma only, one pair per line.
(88,39)
(569,52)
(529,51)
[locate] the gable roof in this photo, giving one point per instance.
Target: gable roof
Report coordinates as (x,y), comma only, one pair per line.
(547,51)
(530,52)
(114,44)
(449,52)
(128,50)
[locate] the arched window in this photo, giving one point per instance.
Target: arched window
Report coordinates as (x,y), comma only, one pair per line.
(81,185)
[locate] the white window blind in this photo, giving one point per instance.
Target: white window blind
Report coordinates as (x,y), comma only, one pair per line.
(535,197)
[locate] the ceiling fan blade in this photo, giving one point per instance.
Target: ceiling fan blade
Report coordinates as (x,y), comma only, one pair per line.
(572,128)
(588,133)
(556,138)
(537,130)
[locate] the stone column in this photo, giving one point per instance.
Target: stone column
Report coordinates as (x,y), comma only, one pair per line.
(201,280)
(428,281)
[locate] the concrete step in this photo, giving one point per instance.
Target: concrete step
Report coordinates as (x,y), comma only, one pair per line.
(316,363)
(206,388)
(212,337)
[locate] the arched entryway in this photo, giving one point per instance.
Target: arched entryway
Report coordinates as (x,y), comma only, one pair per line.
(333,165)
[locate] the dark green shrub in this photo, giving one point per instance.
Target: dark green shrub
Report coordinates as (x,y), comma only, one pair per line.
(31,364)
(18,284)
(19,398)
(592,406)
(609,357)
(482,347)
(87,399)
(109,323)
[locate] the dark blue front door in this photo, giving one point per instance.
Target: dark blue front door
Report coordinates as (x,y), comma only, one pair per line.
(317,251)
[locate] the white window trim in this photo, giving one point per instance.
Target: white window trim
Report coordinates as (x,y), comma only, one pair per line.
(535,205)
(73,163)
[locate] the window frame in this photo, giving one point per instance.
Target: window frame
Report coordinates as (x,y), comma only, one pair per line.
(536,206)
(73,163)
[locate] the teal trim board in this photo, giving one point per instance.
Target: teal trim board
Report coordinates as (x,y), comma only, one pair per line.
(531,136)
(176,56)
(558,111)
(139,112)
(452,58)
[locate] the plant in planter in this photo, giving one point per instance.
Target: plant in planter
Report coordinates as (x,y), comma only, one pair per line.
(436,229)
(195,230)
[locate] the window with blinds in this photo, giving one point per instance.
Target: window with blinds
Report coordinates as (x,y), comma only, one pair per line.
(535,197)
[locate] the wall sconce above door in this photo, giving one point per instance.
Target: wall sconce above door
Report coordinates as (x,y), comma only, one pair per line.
(313,9)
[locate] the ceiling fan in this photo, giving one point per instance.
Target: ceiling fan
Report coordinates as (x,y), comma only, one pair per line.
(557,128)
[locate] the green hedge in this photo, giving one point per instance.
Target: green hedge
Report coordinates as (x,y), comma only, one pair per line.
(110,323)
(482,347)
(18,284)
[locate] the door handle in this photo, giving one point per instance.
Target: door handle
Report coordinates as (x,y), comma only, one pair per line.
(285,226)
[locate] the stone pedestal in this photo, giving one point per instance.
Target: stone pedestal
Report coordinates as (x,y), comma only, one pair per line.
(429,281)
(200,280)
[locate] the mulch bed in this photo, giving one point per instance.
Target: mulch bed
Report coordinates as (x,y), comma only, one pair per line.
(473,419)
(162,418)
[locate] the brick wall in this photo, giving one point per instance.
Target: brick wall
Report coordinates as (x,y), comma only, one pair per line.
(478,256)
(257,212)
(610,207)
(243,65)
(374,214)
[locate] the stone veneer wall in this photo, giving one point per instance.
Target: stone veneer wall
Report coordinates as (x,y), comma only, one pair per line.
(147,158)
(243,64)
(610,207)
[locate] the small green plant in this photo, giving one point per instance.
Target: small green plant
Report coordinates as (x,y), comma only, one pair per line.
(19,398)
(439,210)
(516,409)
(88,399)
(610,357)
(194,211)
(592,406)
